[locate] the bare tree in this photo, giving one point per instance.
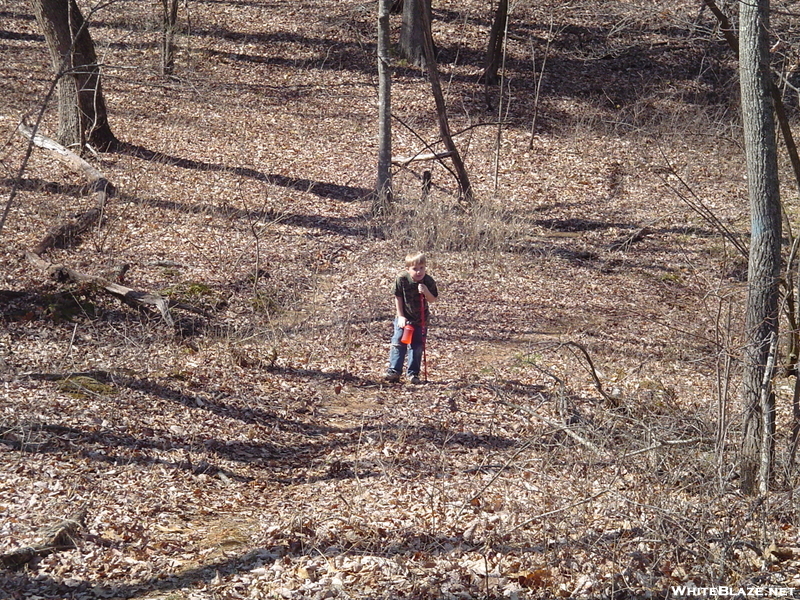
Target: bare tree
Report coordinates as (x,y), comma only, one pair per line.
(384,185)
(441,113)
(169,27)
(761,319)
(494,52)
(82,115)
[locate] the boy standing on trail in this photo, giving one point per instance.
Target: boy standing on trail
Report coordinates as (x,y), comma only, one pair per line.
(413,291)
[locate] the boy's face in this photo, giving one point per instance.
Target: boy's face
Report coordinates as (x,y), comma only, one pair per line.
(417,272)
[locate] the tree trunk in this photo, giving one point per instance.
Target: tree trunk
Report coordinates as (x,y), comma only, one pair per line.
(170,20)
(384,184)
(761,319)
(412,31)
(82,115)
(494,52)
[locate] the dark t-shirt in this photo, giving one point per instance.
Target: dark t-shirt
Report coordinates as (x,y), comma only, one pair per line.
(408,291)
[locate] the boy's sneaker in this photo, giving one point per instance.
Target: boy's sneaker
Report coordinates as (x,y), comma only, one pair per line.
(392,377)
(415,380)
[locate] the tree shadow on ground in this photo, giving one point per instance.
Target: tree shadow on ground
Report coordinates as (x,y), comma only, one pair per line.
(356,226)
(325,190)
(36,184)
(347,226)
(53,305)
(303,441)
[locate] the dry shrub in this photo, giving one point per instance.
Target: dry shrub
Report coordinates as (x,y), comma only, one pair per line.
(439,224)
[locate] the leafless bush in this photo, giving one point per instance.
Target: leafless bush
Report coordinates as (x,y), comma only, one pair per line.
(436,224)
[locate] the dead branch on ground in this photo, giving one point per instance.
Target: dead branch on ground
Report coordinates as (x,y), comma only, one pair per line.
(404,161)
(55,538)
(68,232)
(129,296)
(98,184)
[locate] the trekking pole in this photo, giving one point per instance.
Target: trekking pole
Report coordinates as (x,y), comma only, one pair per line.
(424,336)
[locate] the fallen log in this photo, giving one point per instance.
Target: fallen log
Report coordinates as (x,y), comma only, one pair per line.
(128,295)
(58,537)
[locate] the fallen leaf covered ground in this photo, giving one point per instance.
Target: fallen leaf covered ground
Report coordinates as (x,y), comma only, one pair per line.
(578,433)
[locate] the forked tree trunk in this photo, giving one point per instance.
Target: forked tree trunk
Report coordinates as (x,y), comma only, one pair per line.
(761,319)
(82,115)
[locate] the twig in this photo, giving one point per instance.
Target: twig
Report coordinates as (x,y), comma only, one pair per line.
(583,442)
(538,92)
(663,443)
(404,161)
(426,144)
(491,481)
(767,405)
(558,510)
(597,384)
(699,207)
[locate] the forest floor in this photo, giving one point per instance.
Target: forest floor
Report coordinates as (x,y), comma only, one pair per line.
(577,436)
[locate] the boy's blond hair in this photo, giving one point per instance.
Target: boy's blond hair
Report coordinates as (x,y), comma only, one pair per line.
(418,258)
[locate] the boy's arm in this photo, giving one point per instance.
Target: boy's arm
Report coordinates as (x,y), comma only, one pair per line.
(398,306)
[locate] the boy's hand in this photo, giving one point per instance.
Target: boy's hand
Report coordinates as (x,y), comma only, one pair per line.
(423,289)
(401,322)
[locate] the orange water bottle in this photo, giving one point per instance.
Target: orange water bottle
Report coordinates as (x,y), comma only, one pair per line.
(408,333)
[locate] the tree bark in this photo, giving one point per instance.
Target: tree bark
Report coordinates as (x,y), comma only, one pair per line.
(761,318)
(412,31)
(780,111)
(384,184)
(81,106)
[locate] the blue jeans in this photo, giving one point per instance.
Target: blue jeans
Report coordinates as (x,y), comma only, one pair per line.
(397,353)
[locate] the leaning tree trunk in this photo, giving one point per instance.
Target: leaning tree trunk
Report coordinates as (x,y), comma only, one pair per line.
(761,319)
(384,184)
(441,113)
(412,31)
(81,105)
